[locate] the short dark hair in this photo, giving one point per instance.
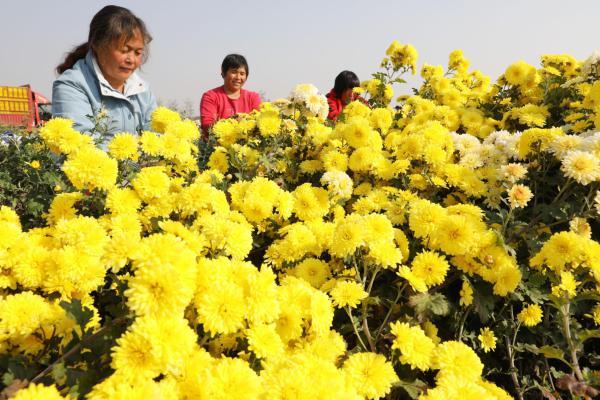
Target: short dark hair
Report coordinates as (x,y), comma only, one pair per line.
(344,81)
(109,24)
(234,61)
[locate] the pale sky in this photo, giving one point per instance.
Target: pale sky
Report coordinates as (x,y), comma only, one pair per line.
(287,43)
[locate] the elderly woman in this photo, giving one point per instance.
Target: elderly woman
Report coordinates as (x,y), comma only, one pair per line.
(98,78)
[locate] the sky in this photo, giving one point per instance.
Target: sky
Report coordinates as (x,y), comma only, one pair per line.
(291,42)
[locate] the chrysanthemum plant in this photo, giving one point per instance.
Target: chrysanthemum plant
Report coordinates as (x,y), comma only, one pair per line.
(446,248)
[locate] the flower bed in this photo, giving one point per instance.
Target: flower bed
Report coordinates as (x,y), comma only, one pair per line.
(443,249)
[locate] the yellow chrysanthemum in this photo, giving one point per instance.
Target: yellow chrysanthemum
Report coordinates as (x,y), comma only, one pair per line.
(162,117)
(567,286)
(221,309)
(530,315)
(310,202)
(264,341)
(59,135)
(416,348)
(562,249)
(124,146)
(348,237)
(347,294)
(456,362)
(424,216)
(455,235)
(37,391)
(431,267)
(165,276)
(312,270)
(371,374)
(269,123)
(466,294)
(151,183)
(91,168)
(62,206)
(520,73)
(151,143)
(487,339)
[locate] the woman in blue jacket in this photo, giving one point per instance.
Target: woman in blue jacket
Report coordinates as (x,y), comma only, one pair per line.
(98,78)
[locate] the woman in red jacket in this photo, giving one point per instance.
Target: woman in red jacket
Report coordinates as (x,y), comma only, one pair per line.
(230,99)
(342,94)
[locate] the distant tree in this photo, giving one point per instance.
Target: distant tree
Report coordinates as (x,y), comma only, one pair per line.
(263,95)
(185,109)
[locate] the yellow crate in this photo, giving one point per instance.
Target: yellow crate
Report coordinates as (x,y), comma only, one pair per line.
(14,106)
(13,92)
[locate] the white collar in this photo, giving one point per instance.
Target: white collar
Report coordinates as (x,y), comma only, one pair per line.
(133,85)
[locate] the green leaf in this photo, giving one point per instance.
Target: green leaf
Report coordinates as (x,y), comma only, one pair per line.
(425,303)
(586,296)
(552,352)
(7,378)
(587,334)
(80,314)
(483,300)
(546,351)
(414,388)
(59,372)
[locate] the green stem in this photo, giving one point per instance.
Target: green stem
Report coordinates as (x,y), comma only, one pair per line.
(511,356)
(365,305)
(513,369)
(562,191)
(357,270)
(204,339)
(77,347)
(349,312)
(389,313)
(505,223)
(588,199)
(463,319)
(567,331)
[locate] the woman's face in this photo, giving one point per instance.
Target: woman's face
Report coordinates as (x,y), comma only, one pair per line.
(347,96)
(235,78)
(120,59)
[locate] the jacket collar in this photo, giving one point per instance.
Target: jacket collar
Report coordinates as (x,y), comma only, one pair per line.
(133,86)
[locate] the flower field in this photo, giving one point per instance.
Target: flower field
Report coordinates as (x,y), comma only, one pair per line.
(442,248)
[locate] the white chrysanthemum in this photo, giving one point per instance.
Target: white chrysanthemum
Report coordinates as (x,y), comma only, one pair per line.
(563,144)
(487,150)
(588,70)
(582,166)
(504,142)
(324,108)
(513,172)
(302,91)
(591,143)
(314,103)
(465,143)
(519,196)
(471,160)
(590,64)
(338,183)
(285,106)
(581,227)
